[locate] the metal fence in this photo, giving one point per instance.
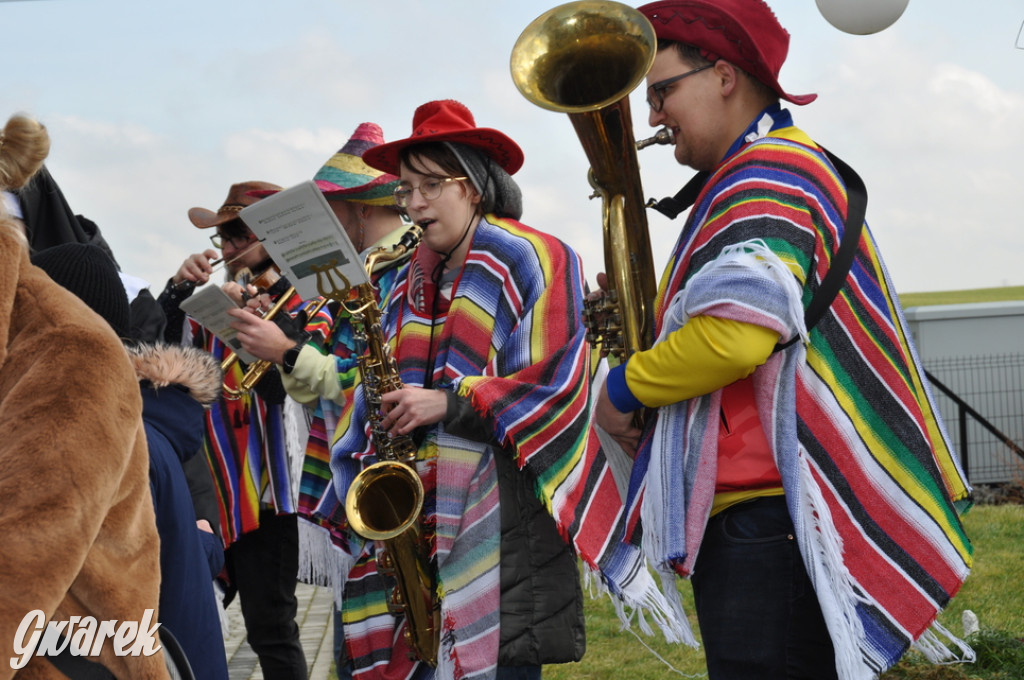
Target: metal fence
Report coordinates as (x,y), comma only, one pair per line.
(981,400)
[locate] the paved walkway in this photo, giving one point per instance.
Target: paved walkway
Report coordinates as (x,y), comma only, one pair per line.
(317,634)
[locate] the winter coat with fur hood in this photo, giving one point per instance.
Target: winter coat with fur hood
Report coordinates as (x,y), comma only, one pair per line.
(77,526)
(177,383)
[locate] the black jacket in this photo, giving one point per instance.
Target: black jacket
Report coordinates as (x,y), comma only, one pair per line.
(541,598)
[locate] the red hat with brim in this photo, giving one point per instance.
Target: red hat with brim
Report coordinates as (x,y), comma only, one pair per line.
(745,33)
(447,121)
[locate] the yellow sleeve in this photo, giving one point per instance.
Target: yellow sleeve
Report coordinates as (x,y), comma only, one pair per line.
(706,354)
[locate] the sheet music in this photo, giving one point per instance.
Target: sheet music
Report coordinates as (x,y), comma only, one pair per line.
(209,306)
(306,241)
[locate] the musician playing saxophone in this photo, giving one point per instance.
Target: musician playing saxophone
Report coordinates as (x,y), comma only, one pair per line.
(363,200)
(245,444)
(484,329)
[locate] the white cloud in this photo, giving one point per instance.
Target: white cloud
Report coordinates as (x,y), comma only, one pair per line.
(147,124)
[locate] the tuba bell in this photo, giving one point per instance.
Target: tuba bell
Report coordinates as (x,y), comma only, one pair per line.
(583,59)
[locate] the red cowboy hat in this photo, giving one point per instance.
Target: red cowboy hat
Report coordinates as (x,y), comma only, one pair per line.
(743,32)
(447,120)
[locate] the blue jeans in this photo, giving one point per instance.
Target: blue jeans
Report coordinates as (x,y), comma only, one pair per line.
(758,614)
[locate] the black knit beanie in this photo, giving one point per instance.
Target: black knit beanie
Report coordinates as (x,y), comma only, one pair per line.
(499,193)
(89,273)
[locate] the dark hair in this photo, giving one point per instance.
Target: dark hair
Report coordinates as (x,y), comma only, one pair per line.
(688,53)
(438,152)
(235,228)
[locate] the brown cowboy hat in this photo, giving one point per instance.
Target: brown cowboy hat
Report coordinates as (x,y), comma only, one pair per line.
(238,198)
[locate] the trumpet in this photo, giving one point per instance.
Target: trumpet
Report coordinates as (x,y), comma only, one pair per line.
(256,370)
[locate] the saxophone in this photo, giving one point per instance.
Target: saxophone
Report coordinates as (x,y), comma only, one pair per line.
(385,500)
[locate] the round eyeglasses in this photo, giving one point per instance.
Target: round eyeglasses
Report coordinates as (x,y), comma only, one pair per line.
(656,91)
(429,189)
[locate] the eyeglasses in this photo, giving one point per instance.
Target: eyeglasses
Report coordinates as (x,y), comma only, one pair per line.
(429,189)
(656,91)
(218,240)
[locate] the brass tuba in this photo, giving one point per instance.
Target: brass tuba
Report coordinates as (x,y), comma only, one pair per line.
(583,59)
(385,500)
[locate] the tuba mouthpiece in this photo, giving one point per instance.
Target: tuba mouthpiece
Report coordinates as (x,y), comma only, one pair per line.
(663,136)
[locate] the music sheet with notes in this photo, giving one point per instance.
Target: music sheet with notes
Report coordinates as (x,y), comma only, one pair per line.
(209,306)
(306,241)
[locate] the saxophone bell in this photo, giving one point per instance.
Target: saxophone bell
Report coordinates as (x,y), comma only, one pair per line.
(385,500)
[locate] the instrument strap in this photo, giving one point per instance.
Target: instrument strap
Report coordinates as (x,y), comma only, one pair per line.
(671,206)
(835,277)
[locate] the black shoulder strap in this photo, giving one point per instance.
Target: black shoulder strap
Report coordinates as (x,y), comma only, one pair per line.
(835,277)
(671,206)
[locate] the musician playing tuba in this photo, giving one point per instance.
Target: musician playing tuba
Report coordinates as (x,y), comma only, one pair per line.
(804,460)
(246,450)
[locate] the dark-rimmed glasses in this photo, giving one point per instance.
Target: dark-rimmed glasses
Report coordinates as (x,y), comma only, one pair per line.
(218,240)
(656,91)
(429,189)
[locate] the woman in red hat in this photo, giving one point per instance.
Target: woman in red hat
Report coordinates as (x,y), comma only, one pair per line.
(485,327)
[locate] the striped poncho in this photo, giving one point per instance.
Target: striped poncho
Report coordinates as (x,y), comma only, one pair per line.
(870,478)
(324,543)
(513,343)
(246,443)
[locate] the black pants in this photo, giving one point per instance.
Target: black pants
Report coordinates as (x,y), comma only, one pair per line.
(759,616)
(263,566)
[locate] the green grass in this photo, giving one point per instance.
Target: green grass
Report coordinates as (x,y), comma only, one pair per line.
(956,297)
(994,591)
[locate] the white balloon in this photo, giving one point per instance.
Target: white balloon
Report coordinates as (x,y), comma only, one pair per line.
(861,17)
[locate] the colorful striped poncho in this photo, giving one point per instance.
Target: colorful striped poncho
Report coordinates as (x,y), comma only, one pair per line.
(870,477)
(246,443)
(513,343)
(324,546)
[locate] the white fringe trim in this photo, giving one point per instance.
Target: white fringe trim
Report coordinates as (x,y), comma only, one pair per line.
(937,651)
(296,435)
(642,600)
(750,254)
(320,563)
(822,550)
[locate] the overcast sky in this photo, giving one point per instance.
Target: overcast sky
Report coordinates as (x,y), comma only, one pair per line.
(154,108)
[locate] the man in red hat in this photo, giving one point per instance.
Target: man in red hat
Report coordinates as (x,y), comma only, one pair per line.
(247,439)
(795,466)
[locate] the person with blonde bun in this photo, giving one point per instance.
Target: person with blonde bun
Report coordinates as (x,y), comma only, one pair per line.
(24,146)
(77,523)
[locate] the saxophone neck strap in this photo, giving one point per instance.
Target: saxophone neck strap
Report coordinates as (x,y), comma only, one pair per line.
(835,277)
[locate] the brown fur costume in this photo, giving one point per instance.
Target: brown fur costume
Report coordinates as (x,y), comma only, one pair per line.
(77,530)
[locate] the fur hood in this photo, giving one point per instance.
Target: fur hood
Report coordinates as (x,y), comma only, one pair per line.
(163,365)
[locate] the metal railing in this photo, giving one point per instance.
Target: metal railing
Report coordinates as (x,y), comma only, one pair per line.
(984,413)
